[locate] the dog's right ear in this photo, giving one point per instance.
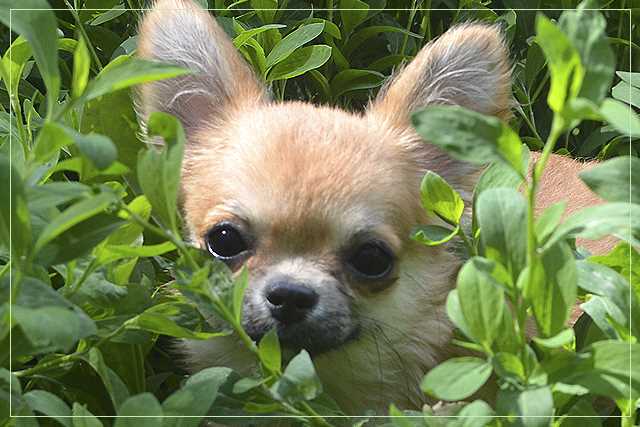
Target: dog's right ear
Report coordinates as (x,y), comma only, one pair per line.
(180,32)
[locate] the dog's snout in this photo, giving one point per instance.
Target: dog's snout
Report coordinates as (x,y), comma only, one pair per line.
(290,302)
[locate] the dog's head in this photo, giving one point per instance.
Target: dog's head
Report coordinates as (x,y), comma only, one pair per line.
(317,202)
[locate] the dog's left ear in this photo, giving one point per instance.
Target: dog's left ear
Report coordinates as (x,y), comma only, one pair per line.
(467,66)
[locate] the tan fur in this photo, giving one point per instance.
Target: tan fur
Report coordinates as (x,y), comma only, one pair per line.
(305,178)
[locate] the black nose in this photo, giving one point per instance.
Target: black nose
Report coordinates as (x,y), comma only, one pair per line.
(290,302)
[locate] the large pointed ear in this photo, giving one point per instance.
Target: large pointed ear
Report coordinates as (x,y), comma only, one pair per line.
(467,66)
(182,33)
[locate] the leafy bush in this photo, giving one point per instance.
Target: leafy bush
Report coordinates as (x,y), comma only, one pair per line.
(92,249)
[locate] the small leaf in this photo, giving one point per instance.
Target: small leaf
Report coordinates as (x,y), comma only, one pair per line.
(299,380)
(439,198)
(245,35)
(299,62)
(15,219)
(563,338)
(293,41)
(433,235)
(549,220)
(81,64)
(621,117)
(531,407)
(457,378)
(269,351)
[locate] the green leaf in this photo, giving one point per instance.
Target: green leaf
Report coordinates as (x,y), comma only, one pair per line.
(49,404)
(113,384)
(244,36)
(352,79)
(159,170)
(621,116)
(144,404)
(475,414)
(433,235)
(352,13)
(626,93)
(299,62)
(632,78)
(265,9)
(37,23)
(619,219)
(527,408)
(299,380)
(454,312)
(83,418)
(615,180)
(15,221)
(195,398)
(564,337)
(293,41)
(481,299)
(269,351)
(81,64)
(549,220)
(73,215)
(159,319)
(553,290)
(501,215)
(99,149)
(50,139)
(587,31)
(127,71)
(457,378)
(438,197)
(470,136)
(564,63)
(364,34)
(509,366)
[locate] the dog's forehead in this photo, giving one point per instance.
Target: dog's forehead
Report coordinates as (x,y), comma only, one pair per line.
(302,171)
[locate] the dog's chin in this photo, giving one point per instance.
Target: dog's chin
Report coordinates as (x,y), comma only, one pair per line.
(305,336)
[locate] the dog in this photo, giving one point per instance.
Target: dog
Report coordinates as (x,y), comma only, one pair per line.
(319,203)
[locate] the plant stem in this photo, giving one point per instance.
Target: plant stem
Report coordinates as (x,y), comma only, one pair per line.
(467,242)
(84,35)
(405,39)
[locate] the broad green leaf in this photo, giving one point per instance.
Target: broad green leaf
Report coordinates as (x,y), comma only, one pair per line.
(269,351)
(476,414)
(195,398)
(245,35)
(111,253)
(439,198)
(246,384)
(621,116)
(553,289)
(144,404)
(113,384)
(127,71)
(50,139)
(74,215)
(37,23)
(81,64)
(470,136)
(481,299)
(586,29)
(454,312)
(159,319)
(549,220)
(508,366)
(563,59)
(159,170)
(15,221)
(299,62)
(13,63)
(49,404)
(615,180)
(433,235)
(632,78)
(109,15)
(399,419)
(528,408)
(352,79)
(293,41)
(352,13)
(265,9)
(626,93)
(299,380)
(501,215)
(457,378)
(83,418)
(625,260)
(619,219)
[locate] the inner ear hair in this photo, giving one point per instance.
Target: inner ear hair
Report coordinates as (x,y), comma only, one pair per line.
(182,33)
(467,66)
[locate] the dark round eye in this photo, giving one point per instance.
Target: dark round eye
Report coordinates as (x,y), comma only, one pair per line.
(372,260)
(225,242)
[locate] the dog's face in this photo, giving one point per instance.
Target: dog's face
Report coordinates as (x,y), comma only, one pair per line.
(319,203)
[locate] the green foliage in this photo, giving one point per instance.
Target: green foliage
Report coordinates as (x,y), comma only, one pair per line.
(90,233)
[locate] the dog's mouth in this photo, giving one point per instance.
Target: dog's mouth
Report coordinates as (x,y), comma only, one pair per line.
(306,335)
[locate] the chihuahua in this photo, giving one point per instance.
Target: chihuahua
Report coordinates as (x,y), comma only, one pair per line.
(319,203)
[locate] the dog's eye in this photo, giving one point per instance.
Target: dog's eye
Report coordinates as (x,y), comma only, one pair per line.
(371,260)
(225,242)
